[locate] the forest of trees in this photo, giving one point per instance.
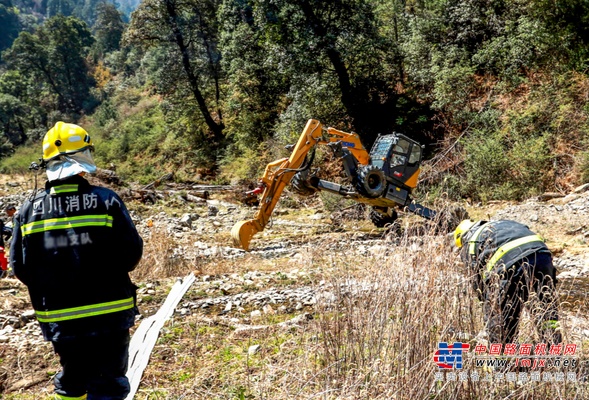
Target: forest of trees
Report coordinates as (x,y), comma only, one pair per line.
(497,90)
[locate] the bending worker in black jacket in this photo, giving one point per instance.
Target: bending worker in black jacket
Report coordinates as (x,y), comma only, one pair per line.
(509,261)
(73,246)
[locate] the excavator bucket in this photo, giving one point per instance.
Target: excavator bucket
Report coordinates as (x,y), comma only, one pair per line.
(276,176)
(243,231)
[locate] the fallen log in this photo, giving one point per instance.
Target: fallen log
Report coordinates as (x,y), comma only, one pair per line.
(215,188)
(549,196)
(194,199)
(108,176)
(157,182)
(188,195)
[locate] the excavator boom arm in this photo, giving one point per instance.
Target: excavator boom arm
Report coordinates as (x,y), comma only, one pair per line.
(276,176)
(349,140)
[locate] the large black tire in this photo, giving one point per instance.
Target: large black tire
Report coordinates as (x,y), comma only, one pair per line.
(301,185)
(371,181)
(381,220)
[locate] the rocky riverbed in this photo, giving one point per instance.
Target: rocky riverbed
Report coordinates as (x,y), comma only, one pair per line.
(195,235)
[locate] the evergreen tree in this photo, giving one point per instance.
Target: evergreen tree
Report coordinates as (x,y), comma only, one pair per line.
(185,37)
(342,44)
(54,57)
(59,7)
(109,27)
(9,24)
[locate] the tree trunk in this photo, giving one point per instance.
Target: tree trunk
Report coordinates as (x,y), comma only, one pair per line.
(216,128)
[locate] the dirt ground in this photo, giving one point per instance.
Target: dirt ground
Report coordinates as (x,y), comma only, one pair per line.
(27,363)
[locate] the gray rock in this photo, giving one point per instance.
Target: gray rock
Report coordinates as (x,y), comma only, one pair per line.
(268,309)
(254,349)
(186,221)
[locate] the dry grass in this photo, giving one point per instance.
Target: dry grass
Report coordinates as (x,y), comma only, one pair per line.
(381,311)
(161,258)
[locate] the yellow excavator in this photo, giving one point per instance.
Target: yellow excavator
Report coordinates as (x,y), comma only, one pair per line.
(383,178)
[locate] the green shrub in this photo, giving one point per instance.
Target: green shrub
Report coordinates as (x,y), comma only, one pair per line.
(486,165)
(584,166)
(499,166)
(144,144)
(247,166)
(20,161)
(454,82)
(525,44)
(450,187)
(530,169)
(242,163)
(105,113)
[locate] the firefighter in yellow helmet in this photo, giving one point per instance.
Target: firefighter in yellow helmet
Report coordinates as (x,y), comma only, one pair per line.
(508,262)
(73,246)
(67,151)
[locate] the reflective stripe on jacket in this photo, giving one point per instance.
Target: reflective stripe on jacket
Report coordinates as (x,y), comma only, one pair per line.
(497,245)
(514,245)
(66,222)
(85,311)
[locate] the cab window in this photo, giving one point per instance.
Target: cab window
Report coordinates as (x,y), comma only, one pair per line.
(402,147)
(415,156)
(400,150)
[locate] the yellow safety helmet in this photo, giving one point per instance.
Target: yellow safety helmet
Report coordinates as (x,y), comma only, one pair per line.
(65,138)
(462,228)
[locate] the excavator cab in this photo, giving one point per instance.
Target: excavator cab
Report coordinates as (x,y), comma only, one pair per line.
(399,157)
(390,176)
(392,170)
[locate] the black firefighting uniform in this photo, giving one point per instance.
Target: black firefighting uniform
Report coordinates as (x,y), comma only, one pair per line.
(508,262)
(73,246)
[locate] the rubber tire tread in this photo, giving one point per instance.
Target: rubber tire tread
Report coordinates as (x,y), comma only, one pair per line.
(299,185)
(364,174)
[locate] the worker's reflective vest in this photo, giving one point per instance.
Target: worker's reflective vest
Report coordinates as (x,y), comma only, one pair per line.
(74,248)
(497,245)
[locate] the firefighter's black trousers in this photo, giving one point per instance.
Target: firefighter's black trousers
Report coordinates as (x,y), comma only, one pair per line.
(508,292)
(93,365)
